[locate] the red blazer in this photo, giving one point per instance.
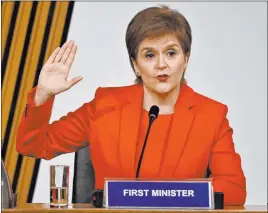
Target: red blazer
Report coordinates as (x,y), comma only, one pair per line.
(200,136)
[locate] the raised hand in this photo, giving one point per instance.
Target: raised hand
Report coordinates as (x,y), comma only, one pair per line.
(53,78)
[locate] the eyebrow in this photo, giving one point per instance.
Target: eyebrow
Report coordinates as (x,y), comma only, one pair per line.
(168,46)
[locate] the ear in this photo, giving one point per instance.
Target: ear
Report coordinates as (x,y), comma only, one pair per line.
(135,65)
(187,55)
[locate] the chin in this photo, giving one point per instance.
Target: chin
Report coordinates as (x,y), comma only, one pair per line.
(163,88)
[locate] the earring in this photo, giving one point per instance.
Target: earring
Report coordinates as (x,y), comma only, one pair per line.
(138,74)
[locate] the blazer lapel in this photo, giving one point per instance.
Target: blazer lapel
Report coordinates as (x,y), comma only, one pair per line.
(180,127)
(129,130)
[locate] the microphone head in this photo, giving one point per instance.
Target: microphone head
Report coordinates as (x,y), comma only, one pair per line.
(153,113)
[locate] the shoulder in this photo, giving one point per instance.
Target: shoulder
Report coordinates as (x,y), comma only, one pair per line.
(116,96)
(208,105)
(209,113)
(119,93)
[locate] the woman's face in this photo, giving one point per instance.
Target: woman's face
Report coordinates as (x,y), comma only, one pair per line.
(161,63)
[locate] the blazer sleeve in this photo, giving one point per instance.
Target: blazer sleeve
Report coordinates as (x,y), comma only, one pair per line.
(225,165)
(39,139)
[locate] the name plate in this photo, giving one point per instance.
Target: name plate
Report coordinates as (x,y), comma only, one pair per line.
(197,194)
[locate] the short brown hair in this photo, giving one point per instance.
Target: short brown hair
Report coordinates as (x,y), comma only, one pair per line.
(155,21)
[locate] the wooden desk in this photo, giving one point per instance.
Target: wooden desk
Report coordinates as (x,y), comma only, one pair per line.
(87,208)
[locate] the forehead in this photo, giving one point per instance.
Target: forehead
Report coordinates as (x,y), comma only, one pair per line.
(159,42)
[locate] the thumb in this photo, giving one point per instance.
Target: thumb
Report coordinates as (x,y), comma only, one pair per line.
(73,81)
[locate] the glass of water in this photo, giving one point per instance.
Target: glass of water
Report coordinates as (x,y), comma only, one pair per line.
(59,185)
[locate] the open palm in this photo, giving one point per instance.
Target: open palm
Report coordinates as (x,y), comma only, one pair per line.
(53,78)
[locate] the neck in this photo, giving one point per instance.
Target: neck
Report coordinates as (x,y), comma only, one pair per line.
(165,102)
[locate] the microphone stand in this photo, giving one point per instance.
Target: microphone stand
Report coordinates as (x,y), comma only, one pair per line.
(152,118)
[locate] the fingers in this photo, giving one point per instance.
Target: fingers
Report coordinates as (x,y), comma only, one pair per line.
(61,52)
(71,57)
(53,56)
(67,52)
(64,55)
(73,81)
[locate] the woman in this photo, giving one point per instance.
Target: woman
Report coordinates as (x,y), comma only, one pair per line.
(190,133)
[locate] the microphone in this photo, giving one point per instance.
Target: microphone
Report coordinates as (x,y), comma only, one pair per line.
(153,113)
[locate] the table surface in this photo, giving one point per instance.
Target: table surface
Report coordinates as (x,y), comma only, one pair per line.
(79,208)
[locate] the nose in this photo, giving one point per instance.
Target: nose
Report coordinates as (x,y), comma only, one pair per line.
(161,62)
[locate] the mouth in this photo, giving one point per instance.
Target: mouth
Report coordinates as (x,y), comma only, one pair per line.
(162,78)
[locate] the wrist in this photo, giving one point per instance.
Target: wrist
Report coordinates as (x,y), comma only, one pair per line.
(41,96)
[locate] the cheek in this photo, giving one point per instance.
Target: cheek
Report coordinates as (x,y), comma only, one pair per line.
(178,66)
(179,63)
(146,68)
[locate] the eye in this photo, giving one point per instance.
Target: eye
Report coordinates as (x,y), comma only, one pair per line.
(171,53)
(149,55)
